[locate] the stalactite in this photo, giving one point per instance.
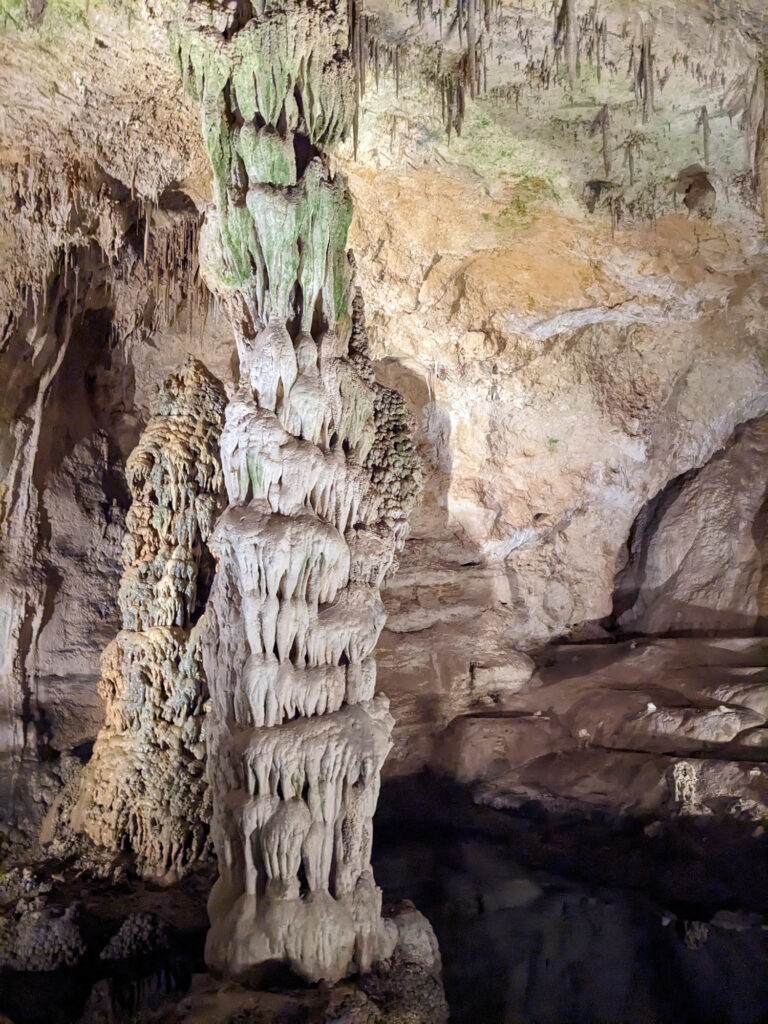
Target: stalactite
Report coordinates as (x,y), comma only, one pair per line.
(643,64)
(703,122)
(602,123)
(471,48)
(56,210)
(320,473)
(566,37)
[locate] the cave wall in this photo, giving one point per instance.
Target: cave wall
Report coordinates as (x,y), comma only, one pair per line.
(542,448)
(561,366)
(695,554)
(83,360)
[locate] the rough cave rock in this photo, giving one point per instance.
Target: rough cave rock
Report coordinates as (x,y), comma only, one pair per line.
(352,349)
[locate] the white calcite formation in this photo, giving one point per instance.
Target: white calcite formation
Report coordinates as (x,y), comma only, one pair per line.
(320,472)
(144,790)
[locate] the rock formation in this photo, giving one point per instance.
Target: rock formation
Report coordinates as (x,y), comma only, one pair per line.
(562,366)
(557,213)
(320,472)
(144,789)
(672,583)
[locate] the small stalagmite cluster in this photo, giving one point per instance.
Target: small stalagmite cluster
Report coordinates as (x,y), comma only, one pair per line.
(320,472)
(144,790)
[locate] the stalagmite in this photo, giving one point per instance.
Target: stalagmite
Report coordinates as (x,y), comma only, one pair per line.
(144,789)
(320,472)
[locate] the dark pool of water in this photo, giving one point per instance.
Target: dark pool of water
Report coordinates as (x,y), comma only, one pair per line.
(562,920)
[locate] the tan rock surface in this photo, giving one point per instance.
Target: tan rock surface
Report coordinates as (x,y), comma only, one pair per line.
(618,726)
(617,365)
(561,371)
(697,565)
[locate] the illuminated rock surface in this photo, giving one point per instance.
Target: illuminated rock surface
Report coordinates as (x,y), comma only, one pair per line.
(557,216)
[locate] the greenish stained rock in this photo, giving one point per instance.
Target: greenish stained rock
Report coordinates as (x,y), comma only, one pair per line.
(276,216)
(268,61)
(339,281)
(242,251)
(327,214)
(13,14)
(267,156)
(285,72)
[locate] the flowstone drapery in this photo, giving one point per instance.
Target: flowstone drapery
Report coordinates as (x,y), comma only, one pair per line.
(144,789)
(320,472)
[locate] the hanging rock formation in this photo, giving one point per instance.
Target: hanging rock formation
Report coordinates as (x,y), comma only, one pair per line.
(320,472)
(144,789)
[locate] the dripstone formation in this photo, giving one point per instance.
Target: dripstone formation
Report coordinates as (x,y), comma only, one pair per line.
(320,472)
(144,790)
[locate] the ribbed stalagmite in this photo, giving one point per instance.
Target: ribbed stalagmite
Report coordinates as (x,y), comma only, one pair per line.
(320,471)
(144,789)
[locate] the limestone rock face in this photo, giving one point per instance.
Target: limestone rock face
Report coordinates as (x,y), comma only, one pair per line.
(571,331)
(694,558)
(563,367)
(141,934)
(144,788)
(88,339)
(542,446)
(33,939)
(648,727)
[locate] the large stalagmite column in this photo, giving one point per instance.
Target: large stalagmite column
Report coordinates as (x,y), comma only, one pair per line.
(320,471)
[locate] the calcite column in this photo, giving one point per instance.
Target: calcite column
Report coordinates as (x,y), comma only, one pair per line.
(319,470)
(144,789)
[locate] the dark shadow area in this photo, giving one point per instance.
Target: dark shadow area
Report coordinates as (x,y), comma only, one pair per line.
(547,919)
(116,991)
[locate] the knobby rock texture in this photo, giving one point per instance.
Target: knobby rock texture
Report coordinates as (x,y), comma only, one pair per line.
(144,789)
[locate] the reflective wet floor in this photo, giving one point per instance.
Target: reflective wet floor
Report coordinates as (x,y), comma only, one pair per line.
(546,920)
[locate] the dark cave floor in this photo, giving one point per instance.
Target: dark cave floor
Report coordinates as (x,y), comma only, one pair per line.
(541,919)
(546,919)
